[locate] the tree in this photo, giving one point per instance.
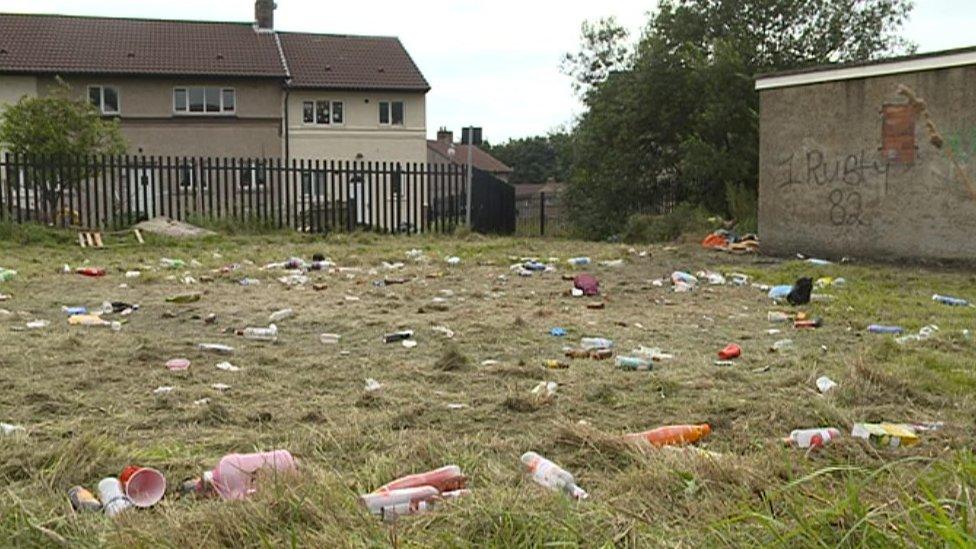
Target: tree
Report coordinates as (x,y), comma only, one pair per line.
(535,159)
(605,50)
(57,129)
(682,116)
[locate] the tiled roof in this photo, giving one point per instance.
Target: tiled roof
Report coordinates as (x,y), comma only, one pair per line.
(66,44)
(350,62)
(479,158)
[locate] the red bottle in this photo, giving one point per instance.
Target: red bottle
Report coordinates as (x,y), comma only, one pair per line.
(91,271)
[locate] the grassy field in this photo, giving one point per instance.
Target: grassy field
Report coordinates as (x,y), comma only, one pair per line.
(86,397)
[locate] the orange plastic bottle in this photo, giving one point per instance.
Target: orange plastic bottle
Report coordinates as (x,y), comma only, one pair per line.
(445,479)
(674,435)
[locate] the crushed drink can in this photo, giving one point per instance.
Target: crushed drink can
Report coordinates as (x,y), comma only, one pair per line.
(398,336)
(83,500)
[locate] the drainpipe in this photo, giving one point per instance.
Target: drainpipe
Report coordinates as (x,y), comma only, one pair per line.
(287,128)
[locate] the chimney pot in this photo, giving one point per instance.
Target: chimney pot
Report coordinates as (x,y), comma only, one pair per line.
(445,136)
(264,14)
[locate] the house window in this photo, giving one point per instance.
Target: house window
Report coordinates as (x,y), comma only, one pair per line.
(322,113)
(205,101)
(391,112)
(104,98)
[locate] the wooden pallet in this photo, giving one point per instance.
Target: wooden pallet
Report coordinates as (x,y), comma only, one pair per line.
(90,240)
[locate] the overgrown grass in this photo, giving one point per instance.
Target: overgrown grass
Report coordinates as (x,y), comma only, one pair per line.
(685,219)
(86,397)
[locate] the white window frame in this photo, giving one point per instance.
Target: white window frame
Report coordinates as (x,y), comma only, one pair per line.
(332,111)
(315,111)
(389,113)
(101,99)
(220,95)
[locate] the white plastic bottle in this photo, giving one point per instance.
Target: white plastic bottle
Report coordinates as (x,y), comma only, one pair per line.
(262,334)
(283,314)
(590,343)
(813,438)
(552,476)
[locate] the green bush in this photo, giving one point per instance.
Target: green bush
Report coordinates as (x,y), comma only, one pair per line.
(684,219)
(744,207)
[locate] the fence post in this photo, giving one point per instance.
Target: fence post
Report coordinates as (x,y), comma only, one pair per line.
(542,214)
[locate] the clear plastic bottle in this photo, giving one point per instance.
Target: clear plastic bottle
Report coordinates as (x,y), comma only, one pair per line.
(946,300)
(262,334)
(580,261)
(552,476)
(591,343)
(633,363)
(283,314)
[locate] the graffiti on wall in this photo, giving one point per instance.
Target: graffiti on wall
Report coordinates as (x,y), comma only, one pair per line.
(845,179)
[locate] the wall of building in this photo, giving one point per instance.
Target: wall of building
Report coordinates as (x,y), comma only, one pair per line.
(12,88)
(360,135)
(151,127)
(828,187)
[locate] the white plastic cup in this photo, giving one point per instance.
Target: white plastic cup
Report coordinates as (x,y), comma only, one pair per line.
(114,500)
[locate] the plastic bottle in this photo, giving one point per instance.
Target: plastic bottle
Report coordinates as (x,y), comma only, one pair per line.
(172,263)
(445,479)
(946,300)
(782,345)
(812,438)
(262,334)
(283,314)
(552,476)
(391,514)
(7,429)
(377,501)
(580,261)
(91,271)
(674,435)
(633,363)
(777,316)
(234,476)
(591,343)
(879,329)
(330,339)
(114,500)
(554,364)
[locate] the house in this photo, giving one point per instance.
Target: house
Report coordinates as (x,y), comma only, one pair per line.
(211,89)
(241,91)
(445,151)
(874,159)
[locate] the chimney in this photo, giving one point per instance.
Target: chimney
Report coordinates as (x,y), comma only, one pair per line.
(445,136)
(264,14)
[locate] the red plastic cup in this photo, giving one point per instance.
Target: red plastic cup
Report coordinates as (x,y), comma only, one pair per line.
(143,485)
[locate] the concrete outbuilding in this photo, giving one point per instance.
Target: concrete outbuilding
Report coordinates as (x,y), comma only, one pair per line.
(872,159)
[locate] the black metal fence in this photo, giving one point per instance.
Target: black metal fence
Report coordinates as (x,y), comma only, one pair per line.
(542,214)
(114,192)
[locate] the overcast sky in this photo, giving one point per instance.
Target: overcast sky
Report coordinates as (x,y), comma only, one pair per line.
(493,64)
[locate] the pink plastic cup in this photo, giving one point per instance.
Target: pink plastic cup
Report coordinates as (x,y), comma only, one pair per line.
(233,478)
(144,486)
